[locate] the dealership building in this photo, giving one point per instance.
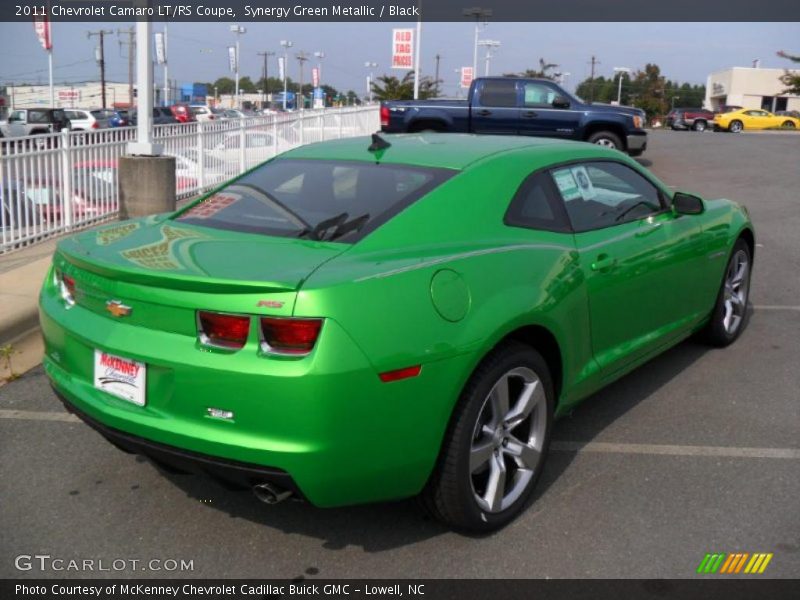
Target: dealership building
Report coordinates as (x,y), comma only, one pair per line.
(749,88)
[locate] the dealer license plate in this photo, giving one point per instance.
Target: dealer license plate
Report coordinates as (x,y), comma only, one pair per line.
(121,377)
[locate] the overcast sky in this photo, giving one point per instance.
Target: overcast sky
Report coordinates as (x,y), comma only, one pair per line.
(686,52)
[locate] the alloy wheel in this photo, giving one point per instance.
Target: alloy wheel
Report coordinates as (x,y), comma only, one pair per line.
(737,285)
(606,143)
(736,127)
(508,439)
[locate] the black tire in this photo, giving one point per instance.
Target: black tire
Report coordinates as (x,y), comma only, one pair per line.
(606,138)
(716,333)
(736,126)
(449,495)
(700,125)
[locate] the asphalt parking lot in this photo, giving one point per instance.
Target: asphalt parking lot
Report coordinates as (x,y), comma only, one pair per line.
(698,451)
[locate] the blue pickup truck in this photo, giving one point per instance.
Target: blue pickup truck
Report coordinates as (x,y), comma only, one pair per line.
(515,106)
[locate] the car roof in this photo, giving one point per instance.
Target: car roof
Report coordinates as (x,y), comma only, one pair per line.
(443,150)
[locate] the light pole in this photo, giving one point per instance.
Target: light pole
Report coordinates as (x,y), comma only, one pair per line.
(302,57)
(370,65)
(286,44)
(238,30)
(622,71)
(319,56)
(489,45)
(479,14)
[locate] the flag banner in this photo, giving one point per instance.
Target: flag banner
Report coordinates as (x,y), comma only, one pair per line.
(232,58)
(161,50)
(42,27)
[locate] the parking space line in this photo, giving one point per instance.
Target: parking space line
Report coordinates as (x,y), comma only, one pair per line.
(556,446)
(775,307)
(673,450)
(34,415)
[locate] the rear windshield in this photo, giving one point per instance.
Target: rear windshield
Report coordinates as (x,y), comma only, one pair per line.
(315,199)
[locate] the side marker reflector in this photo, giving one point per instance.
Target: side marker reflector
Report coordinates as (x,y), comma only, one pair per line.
(404,373)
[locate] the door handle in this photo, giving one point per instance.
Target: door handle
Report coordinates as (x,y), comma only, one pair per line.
(603,263)
(484,113)
(530,114)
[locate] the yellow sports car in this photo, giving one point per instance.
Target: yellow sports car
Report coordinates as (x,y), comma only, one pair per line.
(751,118)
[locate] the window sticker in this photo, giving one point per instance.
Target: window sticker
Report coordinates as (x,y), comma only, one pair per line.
(211,206)
(585,186)
(566,184)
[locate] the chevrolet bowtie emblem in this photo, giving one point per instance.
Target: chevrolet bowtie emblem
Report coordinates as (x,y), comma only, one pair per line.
(118,309)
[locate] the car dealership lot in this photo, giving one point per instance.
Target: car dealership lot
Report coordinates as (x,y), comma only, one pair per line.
(695,452)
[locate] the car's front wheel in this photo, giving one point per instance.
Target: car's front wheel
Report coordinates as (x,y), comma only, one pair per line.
(730,311)
(496,444)
(606,139)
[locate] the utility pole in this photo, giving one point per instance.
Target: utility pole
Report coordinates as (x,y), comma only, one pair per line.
(131,43)
(101,60)
(591,80)
(436,80)
(302,57)
(266,56)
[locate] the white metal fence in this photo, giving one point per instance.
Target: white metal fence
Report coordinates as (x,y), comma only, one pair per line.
(56,183)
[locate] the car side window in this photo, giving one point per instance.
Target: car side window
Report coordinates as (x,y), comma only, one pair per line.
(536,206)
(605,193)
(498,92)
(16,116)
(538,94)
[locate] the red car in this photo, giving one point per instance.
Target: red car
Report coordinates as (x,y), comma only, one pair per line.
(183,112)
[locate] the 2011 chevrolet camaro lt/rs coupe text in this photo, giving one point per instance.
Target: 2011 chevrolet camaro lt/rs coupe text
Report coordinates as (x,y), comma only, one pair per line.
(369,319)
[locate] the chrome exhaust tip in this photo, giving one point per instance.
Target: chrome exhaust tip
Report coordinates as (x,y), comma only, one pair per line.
(270,494)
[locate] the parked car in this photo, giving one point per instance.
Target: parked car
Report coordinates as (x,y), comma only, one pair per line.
(187,167)
(370,287)
(202,112)
(259,146)
(183,113)
(162,115)
(517,106)
(87,120)
(697,119)
(219,114)
(116,118)
(34,121)
(751,118)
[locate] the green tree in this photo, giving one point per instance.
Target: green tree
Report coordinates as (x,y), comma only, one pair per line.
(545,71)
(389,87)
(246,85)
(790,79)
(224,85)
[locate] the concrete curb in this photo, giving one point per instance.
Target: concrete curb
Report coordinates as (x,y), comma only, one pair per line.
(19,297)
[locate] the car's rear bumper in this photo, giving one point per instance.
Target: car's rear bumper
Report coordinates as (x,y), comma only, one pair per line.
(339,433)
(230,473)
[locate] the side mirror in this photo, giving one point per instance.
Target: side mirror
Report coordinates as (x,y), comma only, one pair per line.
(560,102)
(686,204)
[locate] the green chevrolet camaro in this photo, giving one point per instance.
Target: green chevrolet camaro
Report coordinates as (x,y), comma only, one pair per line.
(371,319)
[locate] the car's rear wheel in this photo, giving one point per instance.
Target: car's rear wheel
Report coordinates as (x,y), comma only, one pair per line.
(496,444)
(699,125)
(736,126)
(606,139)
(788,125)
(729,316)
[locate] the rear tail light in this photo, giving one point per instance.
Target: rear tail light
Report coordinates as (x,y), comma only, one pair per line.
(95,125)
(384,116)
(290,336)
(66,286)
(222,330)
